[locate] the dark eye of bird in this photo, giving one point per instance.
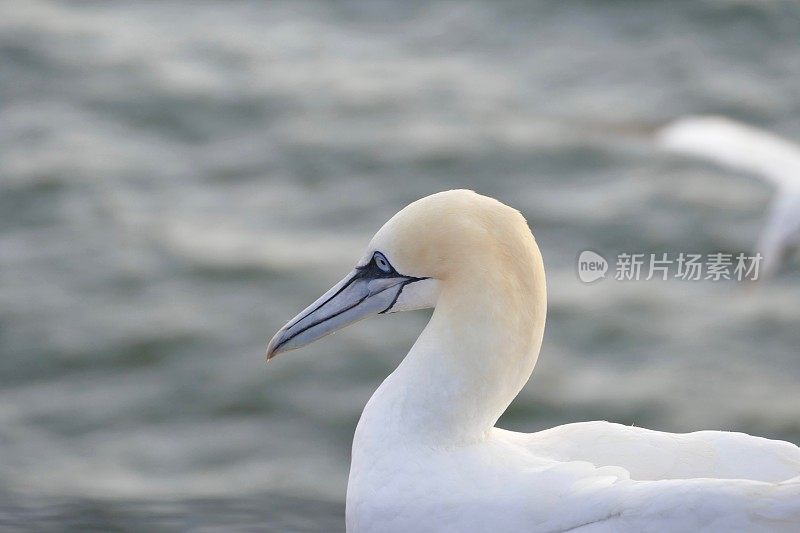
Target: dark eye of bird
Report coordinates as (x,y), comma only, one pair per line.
(382,262)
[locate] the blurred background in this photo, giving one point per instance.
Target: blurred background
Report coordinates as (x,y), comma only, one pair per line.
(177,180)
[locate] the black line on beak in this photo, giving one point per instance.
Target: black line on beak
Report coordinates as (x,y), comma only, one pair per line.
(322,321)
(362,273)
(317,308)
(397,296)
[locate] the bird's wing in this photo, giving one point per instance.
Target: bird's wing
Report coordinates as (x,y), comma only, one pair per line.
(781,230)
(735,145)
(758,152)
(656,455)
(708,505)
(611,477)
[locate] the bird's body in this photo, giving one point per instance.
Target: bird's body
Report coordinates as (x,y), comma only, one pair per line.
(592,476)
(426,454)
(755,152)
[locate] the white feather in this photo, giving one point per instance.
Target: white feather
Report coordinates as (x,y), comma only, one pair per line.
(756,152)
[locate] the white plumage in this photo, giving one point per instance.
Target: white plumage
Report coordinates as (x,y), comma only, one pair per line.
(756,152)
(426,454)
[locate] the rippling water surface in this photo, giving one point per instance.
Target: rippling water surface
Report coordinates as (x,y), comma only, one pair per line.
(179,179)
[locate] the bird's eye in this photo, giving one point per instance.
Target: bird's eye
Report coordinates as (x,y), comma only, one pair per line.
(382,263)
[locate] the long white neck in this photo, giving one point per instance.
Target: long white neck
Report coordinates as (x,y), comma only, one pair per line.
(472,359)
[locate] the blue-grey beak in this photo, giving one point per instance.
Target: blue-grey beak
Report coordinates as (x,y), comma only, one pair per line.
(367,291)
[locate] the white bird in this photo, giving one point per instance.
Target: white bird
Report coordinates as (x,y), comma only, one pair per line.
(426,455)
(753,151)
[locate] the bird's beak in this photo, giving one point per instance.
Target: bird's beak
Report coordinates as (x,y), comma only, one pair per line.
(361,294)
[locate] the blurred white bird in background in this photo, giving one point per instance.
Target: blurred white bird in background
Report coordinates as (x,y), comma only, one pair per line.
(756,152)
(427,455)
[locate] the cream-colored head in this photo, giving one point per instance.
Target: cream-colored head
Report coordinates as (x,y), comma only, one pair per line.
(441,235)
(450,242)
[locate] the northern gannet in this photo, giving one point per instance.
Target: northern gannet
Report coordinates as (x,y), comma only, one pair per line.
(754,151)
(426,455)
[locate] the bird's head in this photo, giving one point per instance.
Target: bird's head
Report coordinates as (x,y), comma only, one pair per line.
(450,237)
